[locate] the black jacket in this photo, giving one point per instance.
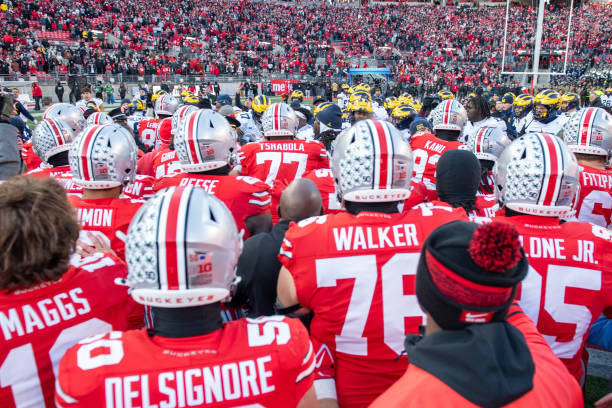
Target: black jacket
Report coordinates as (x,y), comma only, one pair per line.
(258,266)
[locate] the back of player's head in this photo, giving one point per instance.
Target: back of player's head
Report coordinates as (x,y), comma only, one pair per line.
(38,232)
(99,118)
(182,249)
(537,174)
(458,178)
(179,116)
(103,156)
(68,113)
(166,105)
(488,143)
(371,162)
(206,141)
(51,137)
(279,120)
(589,131)
(449,115)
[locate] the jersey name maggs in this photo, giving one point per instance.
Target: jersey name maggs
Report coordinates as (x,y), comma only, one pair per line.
(191,387)
(46,312)
(95,217)
(299,147)
(356,237)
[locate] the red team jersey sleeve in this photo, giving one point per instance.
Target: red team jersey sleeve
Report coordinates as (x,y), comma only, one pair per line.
(324,180)
(569,283)
(267,361)
(30,158)
(357,274)
(40,324)
(141,188)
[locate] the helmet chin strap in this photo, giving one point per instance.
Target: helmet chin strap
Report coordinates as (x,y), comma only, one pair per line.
(186,321)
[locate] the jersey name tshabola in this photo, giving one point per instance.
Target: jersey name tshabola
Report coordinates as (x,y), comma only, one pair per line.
(352,238)
(282,146)
(192,387)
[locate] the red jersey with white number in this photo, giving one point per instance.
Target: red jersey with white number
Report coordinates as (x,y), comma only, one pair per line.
(569,282)
(324,179)
(357,274)
(282,160)
(141,188)
(595,201)
(244,196)
(40,323)
(110,217)
(265,362)
(426,151)
(147,131)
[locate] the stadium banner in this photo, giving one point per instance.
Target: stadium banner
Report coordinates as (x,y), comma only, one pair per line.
(282,86)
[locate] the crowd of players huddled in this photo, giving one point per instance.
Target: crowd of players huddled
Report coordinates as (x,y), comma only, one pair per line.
(367,251)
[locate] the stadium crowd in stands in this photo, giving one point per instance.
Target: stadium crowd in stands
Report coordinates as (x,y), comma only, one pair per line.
(421,45)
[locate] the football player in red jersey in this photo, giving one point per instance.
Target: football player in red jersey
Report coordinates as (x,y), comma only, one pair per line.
(163,160)
(148,132)
(476,338)
(458,176)
(448,119)
(47,302)
(103,162)
(588,134)
(205,147)
(355,270)
(182,249)
(50,141)
(487,143)
(280,156)
(569,282)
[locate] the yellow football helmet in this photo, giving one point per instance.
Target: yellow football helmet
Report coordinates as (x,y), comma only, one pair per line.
(403,111)
(261,103)
(158,94)
(445,94)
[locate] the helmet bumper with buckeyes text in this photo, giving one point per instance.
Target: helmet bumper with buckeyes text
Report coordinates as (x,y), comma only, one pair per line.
(182,249)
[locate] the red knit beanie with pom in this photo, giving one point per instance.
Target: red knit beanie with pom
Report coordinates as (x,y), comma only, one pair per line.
(468,273)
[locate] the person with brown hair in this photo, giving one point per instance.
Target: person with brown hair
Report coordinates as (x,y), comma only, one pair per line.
(49,297)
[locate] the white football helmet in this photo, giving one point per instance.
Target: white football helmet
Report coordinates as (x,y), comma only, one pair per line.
(589,131)
(99,118)
(371,162)
(488,143)
(103,156)
(182,248)
(180,115)
(68,113)
(448,115)
(166,105)
(279,119)
(206,141)
(537,174)
(51,137)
